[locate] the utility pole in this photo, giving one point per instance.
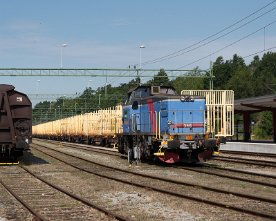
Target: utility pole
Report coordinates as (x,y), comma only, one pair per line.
(211,86)
(105,88)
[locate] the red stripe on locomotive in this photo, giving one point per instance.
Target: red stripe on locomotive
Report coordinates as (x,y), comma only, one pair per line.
(152,115)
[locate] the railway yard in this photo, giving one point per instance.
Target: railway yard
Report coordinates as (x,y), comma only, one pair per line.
(173,118)
(69,181)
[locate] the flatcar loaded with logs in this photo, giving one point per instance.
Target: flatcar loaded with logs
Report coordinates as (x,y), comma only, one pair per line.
(154,123)
(15,122)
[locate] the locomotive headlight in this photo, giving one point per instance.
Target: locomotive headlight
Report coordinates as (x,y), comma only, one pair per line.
(170,122)
(189,137)
(27,140)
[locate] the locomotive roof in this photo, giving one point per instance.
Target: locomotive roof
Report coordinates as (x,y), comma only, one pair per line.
(148,86)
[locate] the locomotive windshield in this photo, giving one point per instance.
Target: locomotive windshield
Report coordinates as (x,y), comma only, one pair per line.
(146,91)
(169,91)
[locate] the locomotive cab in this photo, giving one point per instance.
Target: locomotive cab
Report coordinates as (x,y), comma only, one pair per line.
(147,91)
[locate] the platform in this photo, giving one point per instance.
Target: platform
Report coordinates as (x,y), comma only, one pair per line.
(250,147)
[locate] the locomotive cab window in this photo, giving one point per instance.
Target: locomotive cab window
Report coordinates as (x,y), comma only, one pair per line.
(169,91)
(135,105)
(141,92)
(125,114)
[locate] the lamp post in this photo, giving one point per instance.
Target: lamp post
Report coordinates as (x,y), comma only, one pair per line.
(62,46)
(141,46)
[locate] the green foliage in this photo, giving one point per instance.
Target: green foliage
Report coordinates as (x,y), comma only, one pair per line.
(224,71)
(161,79)
(263,127)
(189,83)
(241,83)
(265,75)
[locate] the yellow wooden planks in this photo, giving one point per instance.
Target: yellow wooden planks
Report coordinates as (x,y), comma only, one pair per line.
(105,122)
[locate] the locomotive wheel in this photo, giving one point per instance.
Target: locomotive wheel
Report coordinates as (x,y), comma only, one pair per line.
(170,157)
(206,154)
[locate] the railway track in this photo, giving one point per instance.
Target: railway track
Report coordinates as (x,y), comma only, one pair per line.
(39,196)
(235,174)
(245,176)
(167,185)
(248,153)
(256,162)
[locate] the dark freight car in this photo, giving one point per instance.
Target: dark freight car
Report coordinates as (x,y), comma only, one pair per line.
(15,122)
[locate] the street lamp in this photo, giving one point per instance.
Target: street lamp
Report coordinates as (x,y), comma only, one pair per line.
(62,46)
(141,46)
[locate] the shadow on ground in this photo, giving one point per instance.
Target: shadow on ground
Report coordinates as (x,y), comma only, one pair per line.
(29,159)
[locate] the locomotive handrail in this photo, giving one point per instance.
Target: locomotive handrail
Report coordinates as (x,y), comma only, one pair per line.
(156,133)
(159,124)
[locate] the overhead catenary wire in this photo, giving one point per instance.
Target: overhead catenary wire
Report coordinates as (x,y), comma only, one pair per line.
(235,42)
(182,51)
(219,37)
(258,52)
(192,48)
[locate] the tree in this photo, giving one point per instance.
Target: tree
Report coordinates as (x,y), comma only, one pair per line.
(265,75)
(241,82)
(263,128)
(221,72)
(237,62)
(191,82)
(254,64)
(161,79)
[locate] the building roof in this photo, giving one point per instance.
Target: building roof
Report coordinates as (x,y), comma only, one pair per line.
(255,104)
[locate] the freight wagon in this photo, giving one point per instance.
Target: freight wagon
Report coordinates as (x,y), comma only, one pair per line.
(154,122)
(98,127)
(15,122)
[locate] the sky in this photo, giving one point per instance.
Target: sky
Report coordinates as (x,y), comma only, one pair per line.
(109,33)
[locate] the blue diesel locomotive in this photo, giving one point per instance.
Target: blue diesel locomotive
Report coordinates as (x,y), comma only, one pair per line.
(159,123)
